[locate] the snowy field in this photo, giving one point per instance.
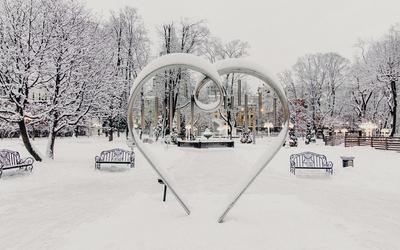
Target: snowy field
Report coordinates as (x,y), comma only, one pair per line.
(66,204)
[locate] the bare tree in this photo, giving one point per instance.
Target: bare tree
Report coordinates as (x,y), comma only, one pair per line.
(75,67)
(314,85)
(382,60)
(129,45)
(216,50)
(187,37)
(24,41)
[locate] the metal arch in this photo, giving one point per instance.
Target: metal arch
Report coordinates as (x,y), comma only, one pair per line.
(212,72)
(246,67)
(161,63)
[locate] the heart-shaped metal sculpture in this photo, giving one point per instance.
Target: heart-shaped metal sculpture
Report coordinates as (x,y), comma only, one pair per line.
(212,73)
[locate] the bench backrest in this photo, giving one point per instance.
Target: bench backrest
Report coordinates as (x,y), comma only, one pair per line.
(117,155)
(308,159)
(8,157)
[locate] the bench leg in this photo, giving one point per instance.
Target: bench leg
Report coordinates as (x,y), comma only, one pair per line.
(1,173)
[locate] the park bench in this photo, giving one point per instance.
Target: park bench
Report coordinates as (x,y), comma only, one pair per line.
(310,160)
(115,156)
(12,160)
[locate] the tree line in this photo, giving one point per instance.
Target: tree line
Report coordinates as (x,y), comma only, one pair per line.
(86,65)
(327,90)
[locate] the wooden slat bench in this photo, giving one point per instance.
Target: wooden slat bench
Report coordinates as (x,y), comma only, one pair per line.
(12,160)
(310,160)
(115,156)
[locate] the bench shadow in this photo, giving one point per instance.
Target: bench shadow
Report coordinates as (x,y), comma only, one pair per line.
(8,174)
(114,169)
(320,175)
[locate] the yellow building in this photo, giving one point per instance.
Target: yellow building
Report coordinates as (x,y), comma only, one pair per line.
(240,121)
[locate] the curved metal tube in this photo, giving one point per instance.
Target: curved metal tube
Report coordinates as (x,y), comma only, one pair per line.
(212,72)
(246,67)
(162,63)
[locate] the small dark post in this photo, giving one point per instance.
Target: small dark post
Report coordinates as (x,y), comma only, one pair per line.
(165,193)
(165,190)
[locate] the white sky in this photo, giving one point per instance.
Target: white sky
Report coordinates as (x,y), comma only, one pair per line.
(278,31)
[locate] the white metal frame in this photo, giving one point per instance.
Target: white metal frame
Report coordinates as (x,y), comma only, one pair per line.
(212,72)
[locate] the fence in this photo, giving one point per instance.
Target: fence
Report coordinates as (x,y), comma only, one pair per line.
(384,143)
(334,140)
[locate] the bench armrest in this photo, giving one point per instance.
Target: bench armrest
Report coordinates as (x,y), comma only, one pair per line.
(97,158)
(330,164)
(28,160)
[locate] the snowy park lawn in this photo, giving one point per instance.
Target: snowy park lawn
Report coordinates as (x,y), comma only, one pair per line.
(66,204)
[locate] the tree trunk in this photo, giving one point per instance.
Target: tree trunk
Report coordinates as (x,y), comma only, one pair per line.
(229,118)
(111,134)
(111,131)
(52,137)
(394,110)
(76,131)
(50,145)
(27,142)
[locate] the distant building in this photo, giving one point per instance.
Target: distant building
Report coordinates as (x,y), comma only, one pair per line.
(39,95)
(252,114)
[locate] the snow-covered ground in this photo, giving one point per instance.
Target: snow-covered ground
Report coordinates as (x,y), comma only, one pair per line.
(66,204)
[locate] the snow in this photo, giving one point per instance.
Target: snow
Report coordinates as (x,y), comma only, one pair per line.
(66,204)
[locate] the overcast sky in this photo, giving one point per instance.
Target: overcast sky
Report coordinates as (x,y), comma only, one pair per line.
(278,31)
